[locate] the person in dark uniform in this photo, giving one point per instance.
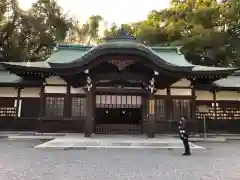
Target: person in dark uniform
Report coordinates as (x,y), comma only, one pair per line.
(184,135)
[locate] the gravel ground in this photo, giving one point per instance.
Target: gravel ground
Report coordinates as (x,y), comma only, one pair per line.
(20,161)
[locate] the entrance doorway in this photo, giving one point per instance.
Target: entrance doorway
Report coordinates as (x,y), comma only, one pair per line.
(118,114)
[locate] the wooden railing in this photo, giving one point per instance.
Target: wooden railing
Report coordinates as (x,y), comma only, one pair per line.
(118,129)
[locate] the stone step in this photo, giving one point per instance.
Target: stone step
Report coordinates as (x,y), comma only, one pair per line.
(114,144)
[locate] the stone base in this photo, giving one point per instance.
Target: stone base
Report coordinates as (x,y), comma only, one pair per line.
(115,141)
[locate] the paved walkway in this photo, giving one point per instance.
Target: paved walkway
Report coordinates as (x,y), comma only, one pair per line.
(51,136)
(115,141)
(19,161)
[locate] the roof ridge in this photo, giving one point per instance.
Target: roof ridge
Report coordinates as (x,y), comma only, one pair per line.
(87,47)
(166,48)
(73,47)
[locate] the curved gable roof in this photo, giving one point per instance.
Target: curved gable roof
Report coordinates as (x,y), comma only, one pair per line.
(167,57)
(70,53)
(117,47)
(69,56)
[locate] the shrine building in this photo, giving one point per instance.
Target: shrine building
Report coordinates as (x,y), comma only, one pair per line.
(118,87)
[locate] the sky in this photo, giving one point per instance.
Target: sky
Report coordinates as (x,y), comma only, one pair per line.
(118,11)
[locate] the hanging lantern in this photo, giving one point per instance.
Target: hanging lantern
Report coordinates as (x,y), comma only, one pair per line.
(89,83)
(151,85)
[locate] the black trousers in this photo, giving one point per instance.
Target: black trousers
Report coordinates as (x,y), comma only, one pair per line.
(186,146)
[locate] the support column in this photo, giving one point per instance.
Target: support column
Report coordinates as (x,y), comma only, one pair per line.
(67,103)
(151,110)
(194,108)
(89,121)
(215,104)
(94,104)
(194,104)
(18,102)
(151,117)
(40,127)
(168,109)
(144,113)
(42,102)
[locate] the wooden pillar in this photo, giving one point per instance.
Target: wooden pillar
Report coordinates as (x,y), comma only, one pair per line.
(42,102)
(42,109)
(194,104)
(194,108)
(18,102)
(67,103)
(144,113)
(168,109)
(151,116)
(90,117)
(94,105)
(215,104)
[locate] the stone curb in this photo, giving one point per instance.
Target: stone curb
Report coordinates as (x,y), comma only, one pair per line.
(208,140)
(50,136)
(53,137)
(115,147)
(31,138)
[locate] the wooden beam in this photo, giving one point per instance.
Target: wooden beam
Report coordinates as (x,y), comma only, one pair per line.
(119,91)
(118,76)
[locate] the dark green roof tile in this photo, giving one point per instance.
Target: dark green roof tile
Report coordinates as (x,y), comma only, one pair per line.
(69,53)
(66,56)
(171,55)
(6,77)
(40,64)
(228,82)
(9,79)
(236,73)
(209,68)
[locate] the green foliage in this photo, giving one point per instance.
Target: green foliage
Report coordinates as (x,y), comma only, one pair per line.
(208,31)
(30,35)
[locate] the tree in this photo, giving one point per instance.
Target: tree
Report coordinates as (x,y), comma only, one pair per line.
(30,35)
(93,28)
(208,31)
(87,33)
(9,28)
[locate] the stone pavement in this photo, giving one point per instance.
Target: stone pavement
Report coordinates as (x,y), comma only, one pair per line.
(20,161)
(115,141)
(50,136)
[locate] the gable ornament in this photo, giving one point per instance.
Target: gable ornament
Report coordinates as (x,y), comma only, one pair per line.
(121,64)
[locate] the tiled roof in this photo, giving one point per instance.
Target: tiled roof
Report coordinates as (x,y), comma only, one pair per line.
(6,77)
(236,73)
(70,53)
(228,82)
(66,55)
(40,64)
(9,79)
(73,53)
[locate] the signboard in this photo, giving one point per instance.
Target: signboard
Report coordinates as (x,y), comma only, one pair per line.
(204,108)
(151,107)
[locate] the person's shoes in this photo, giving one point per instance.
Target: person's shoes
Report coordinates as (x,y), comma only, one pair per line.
(186,154)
